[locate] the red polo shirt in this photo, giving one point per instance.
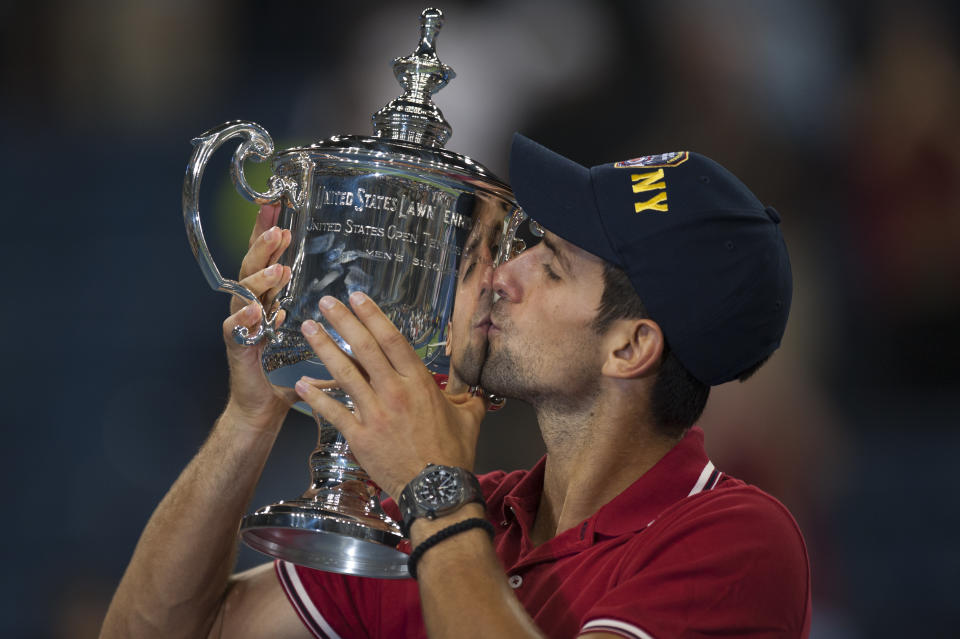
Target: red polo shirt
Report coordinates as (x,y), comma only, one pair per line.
(685,551)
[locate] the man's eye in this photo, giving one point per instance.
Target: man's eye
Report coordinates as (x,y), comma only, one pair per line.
(550,272)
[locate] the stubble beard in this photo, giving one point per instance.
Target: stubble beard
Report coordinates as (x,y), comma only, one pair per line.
(469,365)
(504,373)
(499,374)
(514,370)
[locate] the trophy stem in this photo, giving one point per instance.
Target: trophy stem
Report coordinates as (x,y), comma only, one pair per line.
(337,524)
(338,483)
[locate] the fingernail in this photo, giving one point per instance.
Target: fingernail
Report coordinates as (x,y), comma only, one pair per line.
(271,234)
(327,302)
(249,311)
(301,386)
(272,270)
(357,298)
(309,327)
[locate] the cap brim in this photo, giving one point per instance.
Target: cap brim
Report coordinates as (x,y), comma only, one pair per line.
(557,193)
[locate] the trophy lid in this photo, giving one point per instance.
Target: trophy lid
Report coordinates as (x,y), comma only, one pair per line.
(413,117)
(410,131)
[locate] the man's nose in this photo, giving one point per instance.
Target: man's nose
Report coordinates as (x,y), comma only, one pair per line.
(486,277)
(506,280)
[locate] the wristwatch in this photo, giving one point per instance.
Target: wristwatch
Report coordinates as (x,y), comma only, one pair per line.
(437,491)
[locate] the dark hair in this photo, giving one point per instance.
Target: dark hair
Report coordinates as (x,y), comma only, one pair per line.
(678,398)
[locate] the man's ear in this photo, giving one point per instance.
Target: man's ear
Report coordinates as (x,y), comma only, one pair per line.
(634,348)
(448,348)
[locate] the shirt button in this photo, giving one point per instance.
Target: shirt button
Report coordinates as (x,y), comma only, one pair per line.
(515,581)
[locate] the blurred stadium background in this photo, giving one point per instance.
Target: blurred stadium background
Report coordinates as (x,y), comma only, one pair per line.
(843,115)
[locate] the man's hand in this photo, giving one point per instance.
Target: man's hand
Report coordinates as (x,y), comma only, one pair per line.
(252,396)
(402,421)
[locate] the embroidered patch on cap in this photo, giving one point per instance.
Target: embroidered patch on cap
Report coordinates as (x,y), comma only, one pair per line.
(662,159)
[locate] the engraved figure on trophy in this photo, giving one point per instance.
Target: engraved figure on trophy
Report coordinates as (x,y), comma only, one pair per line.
(390,215)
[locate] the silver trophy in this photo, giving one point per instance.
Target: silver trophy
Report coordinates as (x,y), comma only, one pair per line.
(390,215)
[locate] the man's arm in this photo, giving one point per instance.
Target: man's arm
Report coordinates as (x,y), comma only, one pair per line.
(178,581)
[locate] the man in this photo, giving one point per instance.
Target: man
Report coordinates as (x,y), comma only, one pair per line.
(654,279)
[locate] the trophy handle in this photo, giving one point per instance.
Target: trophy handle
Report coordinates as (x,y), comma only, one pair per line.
(259,146)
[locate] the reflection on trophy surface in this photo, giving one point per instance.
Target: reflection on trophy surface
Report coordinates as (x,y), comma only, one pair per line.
(467,338)
(395,216)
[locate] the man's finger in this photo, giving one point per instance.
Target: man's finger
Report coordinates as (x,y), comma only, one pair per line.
(351,379)
(284,279)
(392,344)
(312,392)
(261,251)
(248,316)
(270,279)
(321,384)
(267,217)
(285,237)
(363,344)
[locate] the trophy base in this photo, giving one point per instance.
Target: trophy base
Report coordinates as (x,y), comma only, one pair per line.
(302,533)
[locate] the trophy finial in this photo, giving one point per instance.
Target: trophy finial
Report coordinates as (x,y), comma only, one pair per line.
(413,117)
(431,21)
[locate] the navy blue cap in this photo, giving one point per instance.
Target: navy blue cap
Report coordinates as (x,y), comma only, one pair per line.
(707,259)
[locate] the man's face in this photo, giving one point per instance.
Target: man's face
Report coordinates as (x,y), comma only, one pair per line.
(542,345)
(467,342)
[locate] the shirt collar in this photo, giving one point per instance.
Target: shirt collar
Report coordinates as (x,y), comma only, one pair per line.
(684,471)
(524,496)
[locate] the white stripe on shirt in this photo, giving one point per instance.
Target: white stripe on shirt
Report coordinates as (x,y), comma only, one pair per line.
(301,596)
(702,480)
(616,627)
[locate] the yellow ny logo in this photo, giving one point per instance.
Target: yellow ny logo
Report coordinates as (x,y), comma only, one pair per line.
(649,182)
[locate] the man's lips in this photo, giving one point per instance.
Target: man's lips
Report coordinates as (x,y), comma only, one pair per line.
(485,324)
(493,327)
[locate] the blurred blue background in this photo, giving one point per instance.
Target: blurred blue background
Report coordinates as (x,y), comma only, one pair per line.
(843,115)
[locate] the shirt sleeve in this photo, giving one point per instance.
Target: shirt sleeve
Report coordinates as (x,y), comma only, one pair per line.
(334,606)
(328,604)
(730,563)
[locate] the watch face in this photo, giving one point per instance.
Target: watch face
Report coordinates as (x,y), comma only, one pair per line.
(438,488)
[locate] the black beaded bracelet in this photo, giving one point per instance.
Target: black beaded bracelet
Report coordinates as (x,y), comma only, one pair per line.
(440,535)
